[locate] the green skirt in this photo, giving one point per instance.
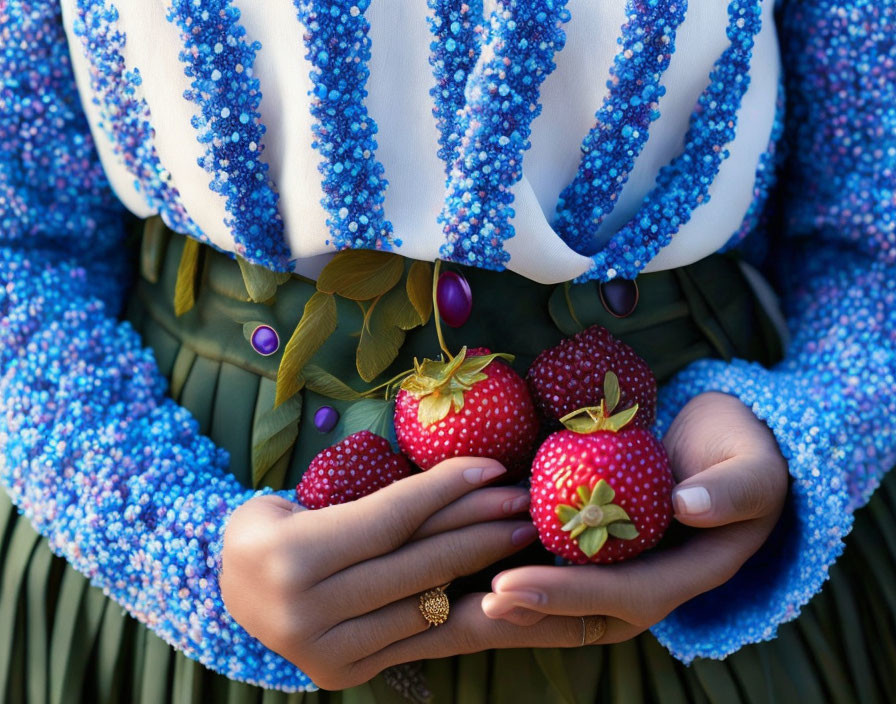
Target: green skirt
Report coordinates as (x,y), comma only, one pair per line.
(61,640)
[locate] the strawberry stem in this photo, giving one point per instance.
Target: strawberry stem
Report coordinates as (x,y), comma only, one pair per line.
(435,307)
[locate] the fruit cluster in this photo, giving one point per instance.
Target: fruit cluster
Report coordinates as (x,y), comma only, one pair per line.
(601,484)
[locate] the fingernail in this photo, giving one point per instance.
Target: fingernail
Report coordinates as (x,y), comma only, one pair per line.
(516,505)
(493,607)
(480,475)
(523,535)
(691,501)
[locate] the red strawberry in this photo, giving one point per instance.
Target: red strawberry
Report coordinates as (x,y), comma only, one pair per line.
(355,467)
(601,490)
(474,405)
(569,376)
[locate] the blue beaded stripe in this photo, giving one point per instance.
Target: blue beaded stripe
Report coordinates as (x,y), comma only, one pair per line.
(766,175)
(623,121)
(502,101)
(683,184)
(125,116)
(459,32)
(338,47)
(219,59)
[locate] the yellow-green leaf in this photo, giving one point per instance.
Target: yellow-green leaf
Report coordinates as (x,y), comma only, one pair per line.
(611,391)
(419,288)
(620,420)
(592,541)
(398,309)
(317,324)
(433,408)
(361,274)
(603,493)
(379,343)
(322,382)
(185,288)
(623,530)
(261,283)
(566,513)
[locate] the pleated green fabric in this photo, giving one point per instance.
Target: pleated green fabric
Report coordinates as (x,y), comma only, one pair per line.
(62,641)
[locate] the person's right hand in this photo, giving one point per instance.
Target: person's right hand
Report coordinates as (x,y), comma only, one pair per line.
(328,588)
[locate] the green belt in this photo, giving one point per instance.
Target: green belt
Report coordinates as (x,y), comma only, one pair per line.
(703,310)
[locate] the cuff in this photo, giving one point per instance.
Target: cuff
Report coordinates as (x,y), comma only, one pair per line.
(771,588)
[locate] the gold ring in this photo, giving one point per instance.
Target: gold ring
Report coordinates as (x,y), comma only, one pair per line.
(434,606)
(593,629)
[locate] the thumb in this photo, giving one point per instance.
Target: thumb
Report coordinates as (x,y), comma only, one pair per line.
(739,489)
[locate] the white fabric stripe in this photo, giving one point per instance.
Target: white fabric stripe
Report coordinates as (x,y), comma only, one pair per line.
(712,223)
(152,46)
(120,178)
(399,101)
(285,77)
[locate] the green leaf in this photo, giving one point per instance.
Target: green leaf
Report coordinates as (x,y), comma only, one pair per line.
(566,513)
(361,274)
(620,420)
(573,523)
(603,493)
(592,541)
(419,289)
(584,494)
(613,514)
(322,382)
(185,288)
(273,434)
(398,309)
(317,324)
(152,249)
(261,283)
(433,408)
(379,344)
(374,415)
(611,391)
(623,530)
(578,530)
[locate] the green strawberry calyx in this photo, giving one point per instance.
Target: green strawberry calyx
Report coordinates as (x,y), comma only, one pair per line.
(589,420)
(440,385)
(595,517)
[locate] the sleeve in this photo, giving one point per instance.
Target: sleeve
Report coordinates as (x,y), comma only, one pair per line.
(113,473)
(830,402)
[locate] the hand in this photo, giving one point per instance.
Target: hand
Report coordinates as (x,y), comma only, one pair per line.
(733,482)
(330,589)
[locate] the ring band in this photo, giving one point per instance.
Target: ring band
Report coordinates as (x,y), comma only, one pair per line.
(593,629)
(434,606)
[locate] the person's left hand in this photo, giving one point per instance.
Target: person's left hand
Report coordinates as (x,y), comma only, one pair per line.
(732,482)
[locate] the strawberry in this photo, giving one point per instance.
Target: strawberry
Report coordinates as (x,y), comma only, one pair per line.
(355,467)
(602,489)
(568,377)
(472,405)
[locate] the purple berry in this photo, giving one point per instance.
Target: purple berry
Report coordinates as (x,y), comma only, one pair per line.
(326,418)
(265,340)
(454,298)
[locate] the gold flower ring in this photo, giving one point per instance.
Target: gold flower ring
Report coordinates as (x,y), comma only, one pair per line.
(434,605)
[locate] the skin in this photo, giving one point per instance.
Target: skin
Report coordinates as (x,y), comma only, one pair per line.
(344,608)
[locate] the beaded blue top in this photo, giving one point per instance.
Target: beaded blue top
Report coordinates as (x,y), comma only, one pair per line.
(90,444)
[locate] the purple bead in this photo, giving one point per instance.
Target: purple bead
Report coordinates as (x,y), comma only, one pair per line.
(265,340)
(454,298)
(620,297)
(326,418)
